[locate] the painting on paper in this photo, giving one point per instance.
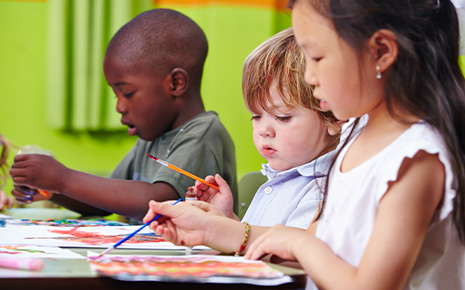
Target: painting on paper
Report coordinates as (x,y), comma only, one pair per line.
(84,237)
(192,268)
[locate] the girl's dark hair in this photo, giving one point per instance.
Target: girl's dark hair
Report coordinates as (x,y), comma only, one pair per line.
(426,78)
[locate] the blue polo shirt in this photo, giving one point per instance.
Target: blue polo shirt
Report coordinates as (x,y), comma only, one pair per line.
(289,197)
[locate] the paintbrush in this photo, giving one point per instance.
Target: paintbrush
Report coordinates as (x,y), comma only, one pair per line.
(164,163)
(131,235)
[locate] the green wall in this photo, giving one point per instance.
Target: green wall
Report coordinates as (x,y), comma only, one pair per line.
(233,32)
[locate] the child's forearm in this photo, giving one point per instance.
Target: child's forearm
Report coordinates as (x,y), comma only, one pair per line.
(77,206)
(316,258)
(126,197)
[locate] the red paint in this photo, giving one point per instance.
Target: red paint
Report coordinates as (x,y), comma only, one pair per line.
(94,238)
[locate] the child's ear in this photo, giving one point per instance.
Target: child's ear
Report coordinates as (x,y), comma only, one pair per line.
(383,46)
(179,80)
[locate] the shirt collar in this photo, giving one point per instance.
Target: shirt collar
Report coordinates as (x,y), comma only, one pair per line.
(318,168)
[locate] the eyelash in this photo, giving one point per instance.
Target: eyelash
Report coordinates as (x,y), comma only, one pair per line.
(316,59)
(126,95)
(283,119)
(279,118)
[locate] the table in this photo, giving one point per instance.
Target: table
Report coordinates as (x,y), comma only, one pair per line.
(76,274)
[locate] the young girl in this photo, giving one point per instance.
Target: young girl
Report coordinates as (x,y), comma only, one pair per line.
(393,216)
(289,130)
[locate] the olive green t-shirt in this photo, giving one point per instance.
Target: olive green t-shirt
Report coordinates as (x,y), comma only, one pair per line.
(201,146)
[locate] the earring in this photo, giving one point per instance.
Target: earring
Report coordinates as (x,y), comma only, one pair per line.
(378,72)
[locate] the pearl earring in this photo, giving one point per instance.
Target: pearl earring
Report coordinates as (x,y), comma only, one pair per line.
(378,72)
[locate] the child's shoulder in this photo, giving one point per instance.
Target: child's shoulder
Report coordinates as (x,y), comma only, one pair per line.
(422,136)
(207,117)
(205,125)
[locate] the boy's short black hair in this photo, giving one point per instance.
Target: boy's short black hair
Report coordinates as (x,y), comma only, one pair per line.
(158,40)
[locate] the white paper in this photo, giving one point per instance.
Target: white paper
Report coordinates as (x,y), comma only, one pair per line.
(30,252)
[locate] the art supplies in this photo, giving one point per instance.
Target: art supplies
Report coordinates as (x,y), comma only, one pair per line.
(164,163)
(22,264)
(65,222)
(132,234)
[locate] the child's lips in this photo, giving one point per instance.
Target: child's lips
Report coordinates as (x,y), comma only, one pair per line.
(132,131)
(131,128)
(324,105)
(268,151)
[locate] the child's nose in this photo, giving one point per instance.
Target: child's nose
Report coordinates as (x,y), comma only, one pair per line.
(120,106)
(266,129)
(309,76)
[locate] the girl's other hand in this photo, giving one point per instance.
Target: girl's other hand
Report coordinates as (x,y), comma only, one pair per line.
(278,240)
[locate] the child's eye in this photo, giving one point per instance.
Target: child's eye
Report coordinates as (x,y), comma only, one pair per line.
(316,59)
(255,117)
(283,118)
(128,95)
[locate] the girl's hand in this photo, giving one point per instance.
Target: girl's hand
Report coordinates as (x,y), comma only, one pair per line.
(182,224)
(278,240)
(5,200)
(221,199)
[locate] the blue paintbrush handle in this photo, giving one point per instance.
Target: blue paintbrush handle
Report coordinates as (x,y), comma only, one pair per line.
(138,230)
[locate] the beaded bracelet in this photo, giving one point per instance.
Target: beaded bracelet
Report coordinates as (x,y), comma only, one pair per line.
(244,241)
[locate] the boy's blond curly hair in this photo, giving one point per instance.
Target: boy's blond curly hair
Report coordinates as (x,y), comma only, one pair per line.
(279,62)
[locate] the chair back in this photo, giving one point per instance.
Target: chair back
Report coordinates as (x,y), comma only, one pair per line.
(247,187)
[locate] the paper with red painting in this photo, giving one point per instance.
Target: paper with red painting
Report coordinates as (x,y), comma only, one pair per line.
(85,237)
(187,268)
